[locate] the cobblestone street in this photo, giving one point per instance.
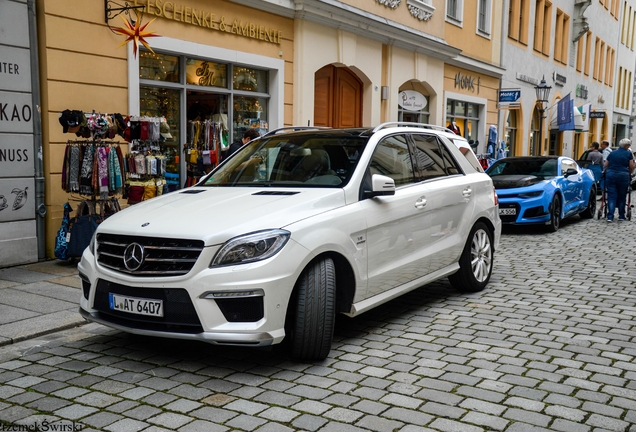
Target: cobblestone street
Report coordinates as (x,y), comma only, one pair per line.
(549,345)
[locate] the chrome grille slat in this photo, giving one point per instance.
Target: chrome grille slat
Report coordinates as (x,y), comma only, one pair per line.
(162,256)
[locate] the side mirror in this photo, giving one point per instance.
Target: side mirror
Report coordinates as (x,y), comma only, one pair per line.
(571,171)
(380,185)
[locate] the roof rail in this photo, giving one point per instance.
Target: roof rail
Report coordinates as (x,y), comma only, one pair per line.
(293,128)
(412,124)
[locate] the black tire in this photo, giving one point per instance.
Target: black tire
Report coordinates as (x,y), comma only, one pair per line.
(555,214)
(590,210)
(476,261)
(310,324)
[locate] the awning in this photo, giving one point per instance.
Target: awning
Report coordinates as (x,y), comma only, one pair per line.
(578,125)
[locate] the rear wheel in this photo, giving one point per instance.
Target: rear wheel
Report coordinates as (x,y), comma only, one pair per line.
(475,262)
(590,210)
(310,324)
(555,214)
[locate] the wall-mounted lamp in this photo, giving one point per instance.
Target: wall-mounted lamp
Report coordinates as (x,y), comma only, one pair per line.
(384,93)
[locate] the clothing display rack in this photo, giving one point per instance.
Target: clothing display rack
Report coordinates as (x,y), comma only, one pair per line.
(206,140)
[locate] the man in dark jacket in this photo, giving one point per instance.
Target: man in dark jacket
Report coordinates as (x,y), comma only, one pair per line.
(248,136)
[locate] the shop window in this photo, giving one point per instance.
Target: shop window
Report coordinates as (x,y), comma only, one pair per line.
(247,79)
(162,102)
(158,67)
(206,73)
(561,40)
(463,118)
(249,113)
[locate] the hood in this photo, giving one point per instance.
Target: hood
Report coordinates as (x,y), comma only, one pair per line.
(515,181)
(215,215)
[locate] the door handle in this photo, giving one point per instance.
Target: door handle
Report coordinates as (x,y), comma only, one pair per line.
(467,192)
(420,203)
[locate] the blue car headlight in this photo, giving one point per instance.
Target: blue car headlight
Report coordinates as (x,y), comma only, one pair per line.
(531,194)
(251,247)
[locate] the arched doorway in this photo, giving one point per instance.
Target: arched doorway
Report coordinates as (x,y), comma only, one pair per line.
(337,98)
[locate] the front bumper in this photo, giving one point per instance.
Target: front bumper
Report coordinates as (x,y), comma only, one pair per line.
(208,321)
(527,211)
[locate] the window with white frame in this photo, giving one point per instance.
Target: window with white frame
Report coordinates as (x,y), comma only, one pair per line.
(454,10)
(483,17)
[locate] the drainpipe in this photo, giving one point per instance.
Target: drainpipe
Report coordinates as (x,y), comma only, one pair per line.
(40,206)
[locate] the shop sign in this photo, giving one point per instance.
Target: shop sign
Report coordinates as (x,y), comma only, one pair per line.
(581,91)
(15,69)
(208,19)
(17,199)
(559,79)
(15,112)
(528,79)
(509,97)
(597,114)
(467,82)
(16,155)
(410,100)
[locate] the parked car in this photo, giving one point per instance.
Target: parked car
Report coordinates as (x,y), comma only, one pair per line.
(295,227)
(542,190)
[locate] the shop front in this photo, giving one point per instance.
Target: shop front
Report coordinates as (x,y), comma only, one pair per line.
(214,71)
(471,105)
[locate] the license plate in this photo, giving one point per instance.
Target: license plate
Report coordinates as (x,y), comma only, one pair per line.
(135,305)
(507,211)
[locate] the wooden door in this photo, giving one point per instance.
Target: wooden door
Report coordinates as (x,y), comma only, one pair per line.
(337,98)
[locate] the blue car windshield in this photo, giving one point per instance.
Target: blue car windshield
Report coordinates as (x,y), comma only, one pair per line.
(539,167)
(311,159)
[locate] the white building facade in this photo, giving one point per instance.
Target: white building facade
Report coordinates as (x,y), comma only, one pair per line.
(585,51)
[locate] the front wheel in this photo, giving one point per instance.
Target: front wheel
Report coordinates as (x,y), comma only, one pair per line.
(555,214)
(590,210)
(475,262)
(310,323)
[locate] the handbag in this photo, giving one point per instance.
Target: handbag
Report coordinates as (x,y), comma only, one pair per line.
(81,229)
(61,239)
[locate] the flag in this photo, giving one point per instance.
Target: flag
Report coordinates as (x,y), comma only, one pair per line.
(564,111)
(585,113)
(569,112)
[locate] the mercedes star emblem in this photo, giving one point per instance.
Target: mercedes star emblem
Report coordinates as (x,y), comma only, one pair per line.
(134,256)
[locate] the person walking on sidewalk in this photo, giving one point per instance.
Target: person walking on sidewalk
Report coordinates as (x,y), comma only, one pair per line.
(618,168)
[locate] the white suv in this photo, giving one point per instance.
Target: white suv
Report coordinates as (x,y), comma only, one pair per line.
(297,226)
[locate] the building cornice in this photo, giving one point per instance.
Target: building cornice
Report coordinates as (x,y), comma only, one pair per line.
(477,66)
(339,15)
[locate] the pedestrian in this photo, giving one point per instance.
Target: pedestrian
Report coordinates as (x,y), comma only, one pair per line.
(618,169)
(605,150)
(595,156)
(248,136)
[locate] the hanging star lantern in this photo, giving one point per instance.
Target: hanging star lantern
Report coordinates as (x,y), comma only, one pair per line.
(136,33)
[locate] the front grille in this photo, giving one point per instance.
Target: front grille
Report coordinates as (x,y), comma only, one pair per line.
(162,256)
(241,309)
(179,314)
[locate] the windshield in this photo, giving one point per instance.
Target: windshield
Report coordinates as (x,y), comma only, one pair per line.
(539,167)
(309,159)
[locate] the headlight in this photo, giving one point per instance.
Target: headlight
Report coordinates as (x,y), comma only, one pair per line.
(531,194)
(251,247)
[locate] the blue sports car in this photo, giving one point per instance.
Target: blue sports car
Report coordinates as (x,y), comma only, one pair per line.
(542,190)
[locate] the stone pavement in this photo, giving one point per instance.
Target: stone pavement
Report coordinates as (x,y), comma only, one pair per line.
(549,345)
(39,298)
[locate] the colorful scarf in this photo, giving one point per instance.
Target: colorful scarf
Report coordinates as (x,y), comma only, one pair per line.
(86,176)
(115,182)
(74,169)
(102,172)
